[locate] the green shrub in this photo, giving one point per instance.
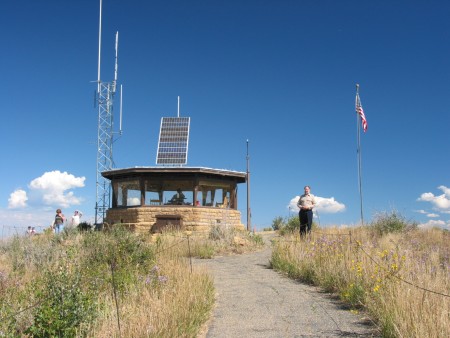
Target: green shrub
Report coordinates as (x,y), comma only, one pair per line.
(221,232)
(289,225)
(118,251)
(277,223)
(62,305)
(54,285)
(205,251)
(388,222)
(293,223)
(257,239)
(84,226)
(354,294)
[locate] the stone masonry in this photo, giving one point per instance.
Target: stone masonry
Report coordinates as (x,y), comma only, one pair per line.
(198,219)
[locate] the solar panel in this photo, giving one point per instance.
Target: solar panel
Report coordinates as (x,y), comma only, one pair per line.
(173,141)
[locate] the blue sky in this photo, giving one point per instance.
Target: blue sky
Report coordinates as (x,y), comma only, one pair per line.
(281,74)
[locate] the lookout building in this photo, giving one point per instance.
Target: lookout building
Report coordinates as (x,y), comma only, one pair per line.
(149,199)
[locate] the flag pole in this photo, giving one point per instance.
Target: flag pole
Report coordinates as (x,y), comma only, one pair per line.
(358,150)
(249,214)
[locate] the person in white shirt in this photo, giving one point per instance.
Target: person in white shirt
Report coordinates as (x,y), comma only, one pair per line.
(306,203)
(76,218)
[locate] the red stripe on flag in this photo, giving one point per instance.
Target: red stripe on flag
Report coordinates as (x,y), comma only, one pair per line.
(360,111)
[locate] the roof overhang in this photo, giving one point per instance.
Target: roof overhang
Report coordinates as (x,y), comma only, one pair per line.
(239,177)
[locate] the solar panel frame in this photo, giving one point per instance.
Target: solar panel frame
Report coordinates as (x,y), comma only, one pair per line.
(173,141)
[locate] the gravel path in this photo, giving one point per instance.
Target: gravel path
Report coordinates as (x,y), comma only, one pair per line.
(256,301)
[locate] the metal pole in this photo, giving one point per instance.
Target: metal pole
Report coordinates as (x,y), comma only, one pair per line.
(99,47)
(116,66)
(98,98)
(120,123)
(358,122)
(249,214)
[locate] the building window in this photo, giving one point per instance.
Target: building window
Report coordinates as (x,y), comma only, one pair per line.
(128,193)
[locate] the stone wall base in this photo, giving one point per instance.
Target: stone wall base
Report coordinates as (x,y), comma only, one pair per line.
(198,219)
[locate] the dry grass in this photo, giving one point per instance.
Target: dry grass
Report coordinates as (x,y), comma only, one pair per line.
(401,278)
(158,292)
(219,241)
(175,308)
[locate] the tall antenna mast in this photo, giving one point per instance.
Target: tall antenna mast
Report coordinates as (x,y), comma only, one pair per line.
(116,66)
(99,47)
(105,99)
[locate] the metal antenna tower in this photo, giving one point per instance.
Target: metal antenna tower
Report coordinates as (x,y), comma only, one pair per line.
(105,99)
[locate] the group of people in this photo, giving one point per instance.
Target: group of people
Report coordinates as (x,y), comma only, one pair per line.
(305,203)
(31,231)
(60,219)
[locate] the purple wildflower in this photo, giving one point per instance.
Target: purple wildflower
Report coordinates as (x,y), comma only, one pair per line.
(163,279)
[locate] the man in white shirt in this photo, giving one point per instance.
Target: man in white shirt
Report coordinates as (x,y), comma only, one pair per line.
(306,203)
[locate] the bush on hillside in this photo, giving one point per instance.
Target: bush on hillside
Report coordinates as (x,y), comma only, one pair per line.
(388,222)
(63,305)
(288,225)
(84,226)
(277,223)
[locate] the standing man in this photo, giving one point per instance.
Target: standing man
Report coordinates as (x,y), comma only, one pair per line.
(306,203)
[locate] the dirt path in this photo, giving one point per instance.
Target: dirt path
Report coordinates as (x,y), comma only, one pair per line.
(256,301)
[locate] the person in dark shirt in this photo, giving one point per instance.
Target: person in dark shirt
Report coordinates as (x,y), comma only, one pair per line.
(178,198)
(58,223)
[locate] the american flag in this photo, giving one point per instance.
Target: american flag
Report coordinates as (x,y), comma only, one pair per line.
(360,111)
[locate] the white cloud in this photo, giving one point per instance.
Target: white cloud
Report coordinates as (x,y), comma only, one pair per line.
(445,190)
(426,197)
(329,205)
(133,201)
(441,202)
(17,199)
(429,214)
(13,221)
(433,223)
(57,181)
(52,187)
(324,205)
